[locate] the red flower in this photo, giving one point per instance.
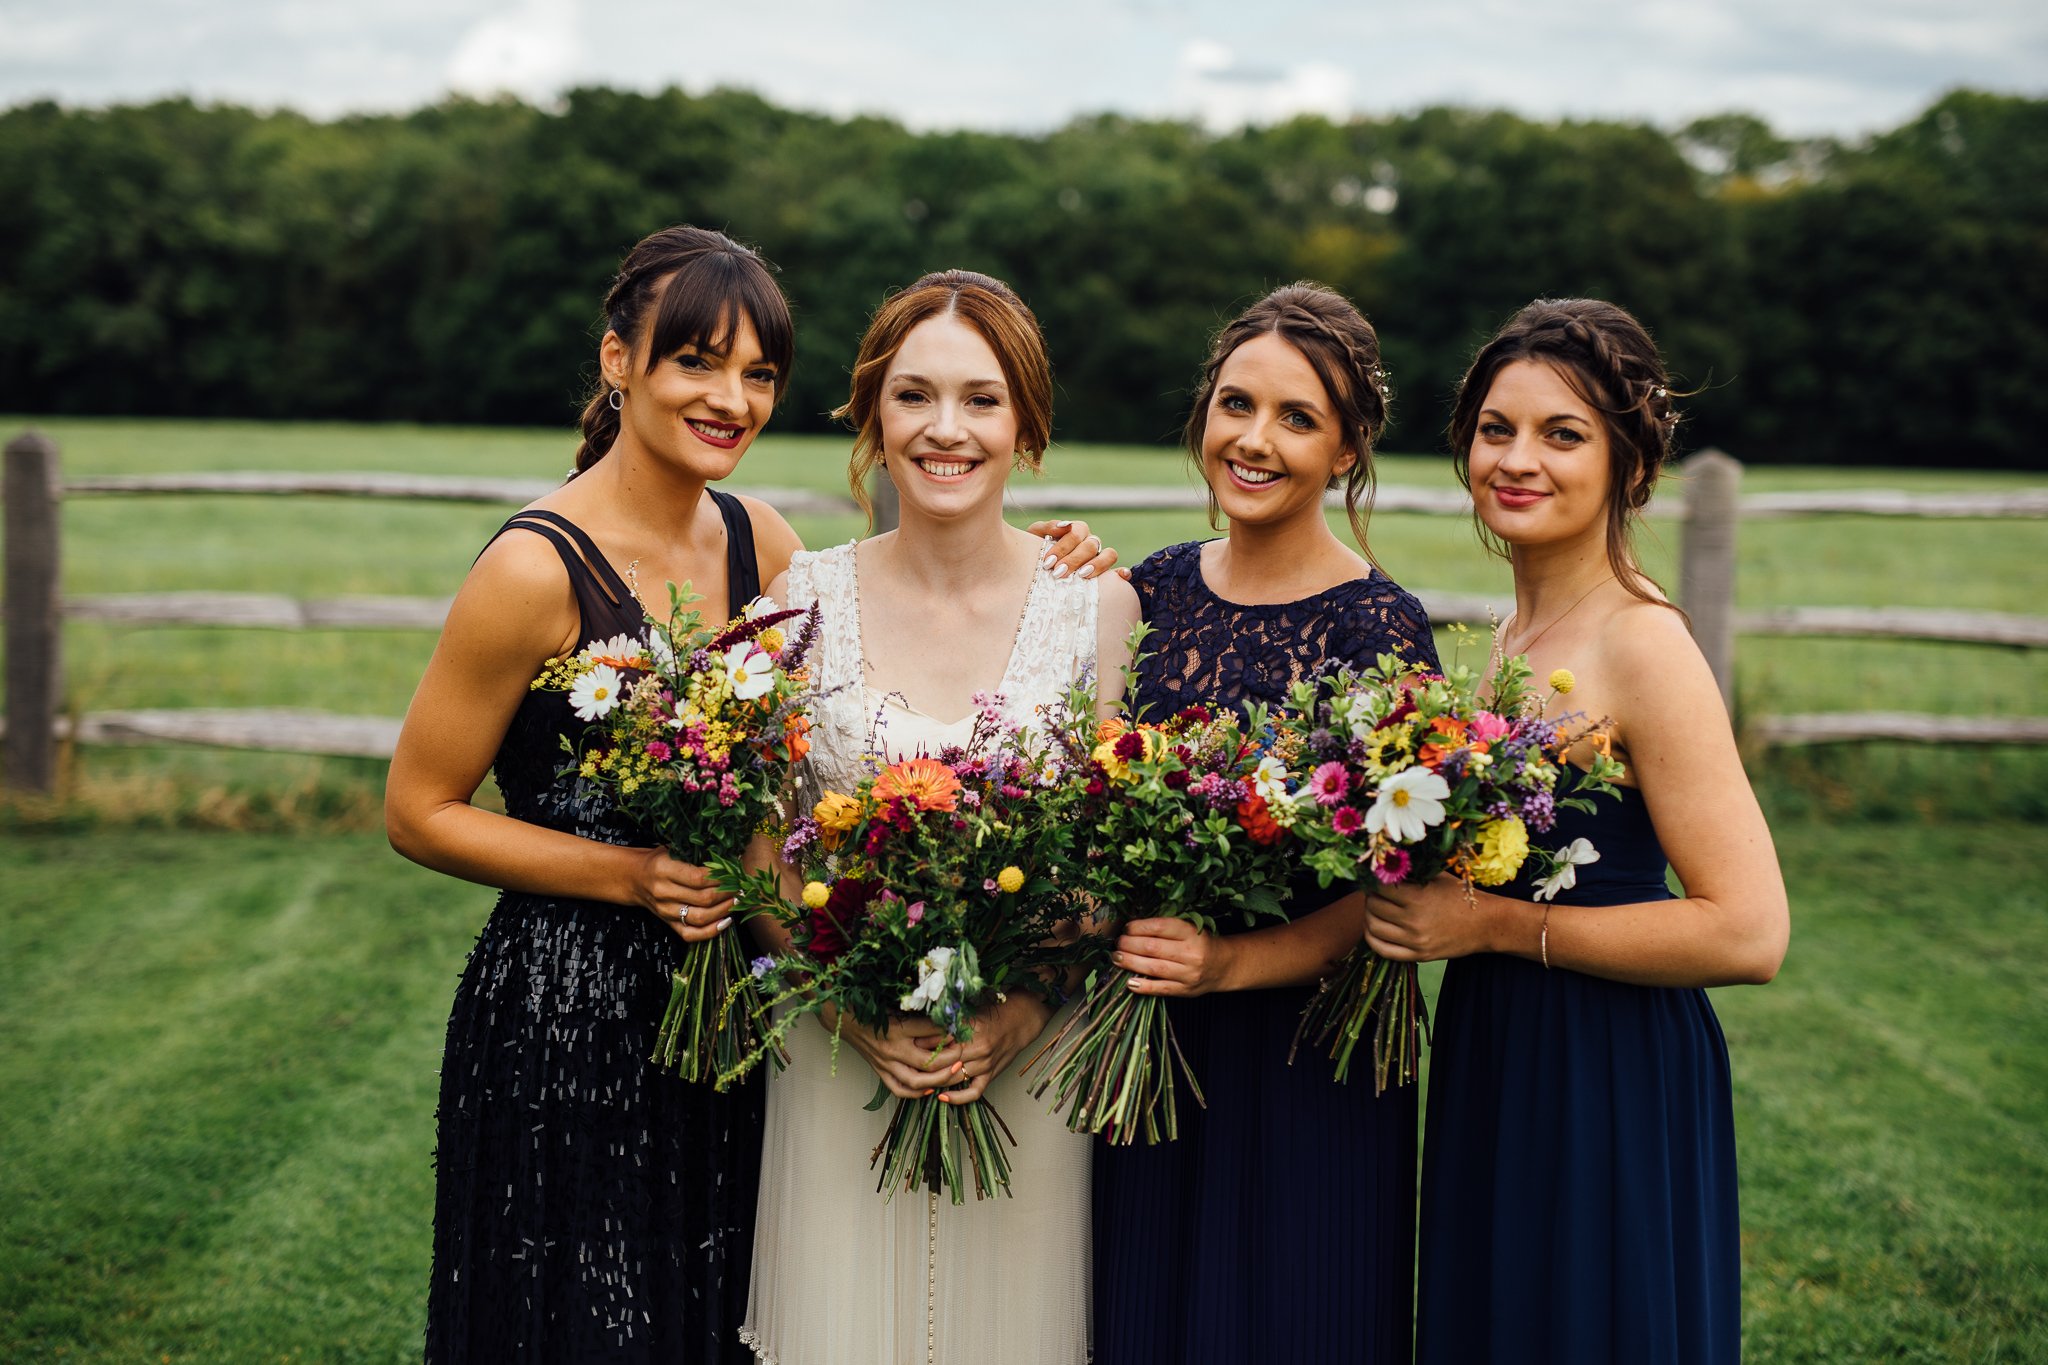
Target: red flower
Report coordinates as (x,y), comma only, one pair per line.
(834,924)
(1130,746)
(1258,822)
(1401,712)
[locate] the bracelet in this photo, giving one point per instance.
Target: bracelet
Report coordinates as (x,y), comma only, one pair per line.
(1543,939)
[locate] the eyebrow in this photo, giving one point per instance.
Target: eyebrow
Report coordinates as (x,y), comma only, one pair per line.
(971,384)
(1305,404)
(1554,417)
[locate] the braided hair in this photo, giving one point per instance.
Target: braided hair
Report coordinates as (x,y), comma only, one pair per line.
(1341,346)
(697,284)
(1611,363)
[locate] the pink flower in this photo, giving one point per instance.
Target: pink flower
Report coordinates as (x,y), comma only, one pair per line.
(1346,820)
(1392,866)
(659,751)
(1488,727)
(914,911)
(1330,783)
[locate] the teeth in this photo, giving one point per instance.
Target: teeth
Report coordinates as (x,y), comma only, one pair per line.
(944,469)
(713,430)
(1254,475)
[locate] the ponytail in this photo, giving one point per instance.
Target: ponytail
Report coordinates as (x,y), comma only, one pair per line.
(600,428)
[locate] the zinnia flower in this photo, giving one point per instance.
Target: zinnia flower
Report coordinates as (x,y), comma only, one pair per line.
(750,669)
(1392,866)
(1258,821)
(1564,871)
(923,783)
(595,693)
(1408,804)
(1503,845)
(1346,820)
(1330,783)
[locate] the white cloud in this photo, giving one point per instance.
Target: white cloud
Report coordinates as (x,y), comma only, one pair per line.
(533,51)
(1221,90)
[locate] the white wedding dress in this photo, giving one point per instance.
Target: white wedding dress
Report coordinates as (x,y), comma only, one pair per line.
(842,1276)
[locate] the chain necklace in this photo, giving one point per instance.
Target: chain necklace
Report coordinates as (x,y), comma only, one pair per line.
(1499,654)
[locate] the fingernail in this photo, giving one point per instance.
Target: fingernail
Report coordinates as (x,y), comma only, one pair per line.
(1060,572)
(725,923)
(1048,561)
(945,1099)
(1063,525)
(958,1067)
(1088,572)
(927,1094)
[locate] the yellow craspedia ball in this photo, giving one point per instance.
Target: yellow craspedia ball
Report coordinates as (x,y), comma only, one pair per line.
(1503,846)
(1011,879)
(772,639)
(815,895)
(1562,681)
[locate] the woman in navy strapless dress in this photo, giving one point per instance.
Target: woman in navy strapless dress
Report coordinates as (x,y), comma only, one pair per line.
(1579,1179)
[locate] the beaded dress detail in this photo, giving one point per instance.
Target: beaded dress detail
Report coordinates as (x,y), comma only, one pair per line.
(1280,1226)
(588,1207)
(842,1277)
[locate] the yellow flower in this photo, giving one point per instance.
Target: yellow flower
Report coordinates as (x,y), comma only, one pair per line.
(772,639)
(835,814)
(1562,681)
(816,894)
(1503,845)
(1011,879)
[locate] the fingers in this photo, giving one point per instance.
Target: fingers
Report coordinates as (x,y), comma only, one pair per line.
(1156,968)
(687,875)
(696,933)
(1391,950)
(1077,550)
(1152,985)
(1160,928)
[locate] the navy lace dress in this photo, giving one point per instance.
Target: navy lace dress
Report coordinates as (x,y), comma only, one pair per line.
(588,1206)
(1578,1173)
(1281,1225)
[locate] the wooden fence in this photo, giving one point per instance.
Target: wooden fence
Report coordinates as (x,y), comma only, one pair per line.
(1713,508)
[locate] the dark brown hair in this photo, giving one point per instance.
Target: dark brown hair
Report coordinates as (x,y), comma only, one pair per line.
(1610,362)
(1342,348)
(697,284)
(1004,321)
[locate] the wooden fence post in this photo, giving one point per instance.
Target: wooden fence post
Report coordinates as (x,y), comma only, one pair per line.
(34,622)
(882,492)
(1706,558)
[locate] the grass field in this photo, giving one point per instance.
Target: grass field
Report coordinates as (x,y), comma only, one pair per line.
(219,1053)
(225,996)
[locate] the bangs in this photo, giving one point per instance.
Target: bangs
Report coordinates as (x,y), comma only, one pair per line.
(703,302)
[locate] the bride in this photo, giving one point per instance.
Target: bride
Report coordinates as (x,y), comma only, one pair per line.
(951,389)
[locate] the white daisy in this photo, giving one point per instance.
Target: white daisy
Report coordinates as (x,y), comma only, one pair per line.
(1409,803)
(750,669)
(1269,780)
(595,693)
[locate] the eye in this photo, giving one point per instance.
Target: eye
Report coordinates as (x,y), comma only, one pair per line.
(1234,403)
(1566,436)
(692,362)
(985,401)
(1495,431)
(910,396)
(1300,420)
(761,376)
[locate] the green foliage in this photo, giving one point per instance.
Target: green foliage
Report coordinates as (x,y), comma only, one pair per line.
(1870,304)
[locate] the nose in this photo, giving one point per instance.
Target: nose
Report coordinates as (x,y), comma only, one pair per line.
(1520,456)
(727,395)
(945,428)
(1255,440)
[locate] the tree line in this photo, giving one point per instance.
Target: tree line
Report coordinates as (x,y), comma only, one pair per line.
(1880,302)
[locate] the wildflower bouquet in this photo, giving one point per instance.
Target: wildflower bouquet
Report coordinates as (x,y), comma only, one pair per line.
(1184,819)
(1408,775)
(930,889)
(695,734)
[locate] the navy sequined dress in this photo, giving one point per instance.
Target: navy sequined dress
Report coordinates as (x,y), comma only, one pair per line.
(1281,1225)
(589,1207)
(1578,1175)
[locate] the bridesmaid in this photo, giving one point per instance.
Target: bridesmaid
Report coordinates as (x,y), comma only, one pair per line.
(1280,1226)
(1579,1181)
(589,1206)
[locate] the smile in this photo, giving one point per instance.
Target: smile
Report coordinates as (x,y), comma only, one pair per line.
(1248,477)
(722,434)
(945,469)
(1517,498)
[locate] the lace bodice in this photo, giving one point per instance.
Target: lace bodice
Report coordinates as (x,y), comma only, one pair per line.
(854,725)
(1206,649)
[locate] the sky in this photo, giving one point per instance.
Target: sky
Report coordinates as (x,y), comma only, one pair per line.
(1809,67)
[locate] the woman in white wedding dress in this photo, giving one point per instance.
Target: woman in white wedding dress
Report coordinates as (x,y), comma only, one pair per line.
(951,390)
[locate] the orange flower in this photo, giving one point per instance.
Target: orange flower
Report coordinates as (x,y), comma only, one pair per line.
(1253,814)
(1109,730)
(796,733)
(923,782)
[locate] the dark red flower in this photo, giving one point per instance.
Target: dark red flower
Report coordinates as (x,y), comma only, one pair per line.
(1401,712)
(1130,746)
(834,924)
(1196,714)
(1177,779)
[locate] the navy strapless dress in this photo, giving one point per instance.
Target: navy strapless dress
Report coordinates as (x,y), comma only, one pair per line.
(1578,1181)
(1281,1225)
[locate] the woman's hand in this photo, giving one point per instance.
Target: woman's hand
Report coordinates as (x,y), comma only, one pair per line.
(1172,957)
(904,1055)
(1441,918)
(1001,1031)
(682,895)
(1072,549)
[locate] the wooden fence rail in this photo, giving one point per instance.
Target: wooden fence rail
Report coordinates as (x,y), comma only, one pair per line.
(1710,503)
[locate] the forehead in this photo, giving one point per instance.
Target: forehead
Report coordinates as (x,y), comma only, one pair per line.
(1269,363)
(1538,387)
(944,345)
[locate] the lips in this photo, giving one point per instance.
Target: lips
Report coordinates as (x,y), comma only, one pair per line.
(1251,479)
(1517,499)
(941,468)
(724,435)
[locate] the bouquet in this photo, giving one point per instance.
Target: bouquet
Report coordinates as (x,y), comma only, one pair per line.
(696,734)
(1183,819)
(1407,776)
(929,890)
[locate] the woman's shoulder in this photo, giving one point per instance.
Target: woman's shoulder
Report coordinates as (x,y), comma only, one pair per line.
(1174,564)
(816,574)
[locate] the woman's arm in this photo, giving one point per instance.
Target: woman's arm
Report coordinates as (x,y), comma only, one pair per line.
(513,614)
(1116,615)
(1733,924)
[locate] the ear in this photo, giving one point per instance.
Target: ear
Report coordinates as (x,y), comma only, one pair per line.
(1347,460)
(615,359)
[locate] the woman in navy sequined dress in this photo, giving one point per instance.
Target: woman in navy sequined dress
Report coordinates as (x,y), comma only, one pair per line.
(1579,1181)
(1280,1225)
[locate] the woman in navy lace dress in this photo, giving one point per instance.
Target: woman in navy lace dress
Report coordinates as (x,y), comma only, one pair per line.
(1280,1225)
(1579,1185)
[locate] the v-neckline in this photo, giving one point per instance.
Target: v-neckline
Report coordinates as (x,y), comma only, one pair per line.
(860,644)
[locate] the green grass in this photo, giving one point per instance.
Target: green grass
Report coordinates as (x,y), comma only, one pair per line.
(220,1051)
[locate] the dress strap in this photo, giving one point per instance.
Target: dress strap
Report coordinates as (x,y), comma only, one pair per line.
(742,567)
(606,604)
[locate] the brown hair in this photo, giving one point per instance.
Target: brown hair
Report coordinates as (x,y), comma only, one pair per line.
(697,284)
(1610,362)
(1342,348)
(991,308)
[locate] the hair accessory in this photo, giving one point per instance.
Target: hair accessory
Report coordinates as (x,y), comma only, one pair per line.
(617,399)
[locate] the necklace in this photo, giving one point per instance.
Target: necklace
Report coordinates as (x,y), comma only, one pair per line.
(1499,653)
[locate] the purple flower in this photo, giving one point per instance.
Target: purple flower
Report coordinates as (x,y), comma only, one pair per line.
(761,966)
(1539,811)
(802,835)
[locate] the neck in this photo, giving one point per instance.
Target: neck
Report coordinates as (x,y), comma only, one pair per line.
(1278,556)
(948,554)
(1549,579)
(651,496)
